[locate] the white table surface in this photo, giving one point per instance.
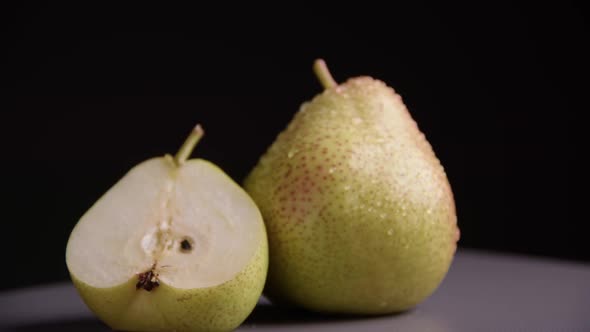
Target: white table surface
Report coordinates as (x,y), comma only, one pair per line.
(482,292)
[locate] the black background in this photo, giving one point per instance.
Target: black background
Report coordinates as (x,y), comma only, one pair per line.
(90,92)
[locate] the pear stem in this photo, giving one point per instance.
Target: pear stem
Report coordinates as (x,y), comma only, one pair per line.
(323,73)
(189,145)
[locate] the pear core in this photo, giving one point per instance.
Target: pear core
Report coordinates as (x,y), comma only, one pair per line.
(189,224)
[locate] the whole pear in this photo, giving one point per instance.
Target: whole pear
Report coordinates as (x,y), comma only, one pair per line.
(175,245)
(359,212)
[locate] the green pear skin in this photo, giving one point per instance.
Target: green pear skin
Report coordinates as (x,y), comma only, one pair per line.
(359,213)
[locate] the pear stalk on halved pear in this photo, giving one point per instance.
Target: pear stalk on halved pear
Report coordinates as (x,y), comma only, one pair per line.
(175,245)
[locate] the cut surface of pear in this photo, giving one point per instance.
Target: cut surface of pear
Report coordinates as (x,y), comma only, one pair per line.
(359,212)
(145,218)
(193,235)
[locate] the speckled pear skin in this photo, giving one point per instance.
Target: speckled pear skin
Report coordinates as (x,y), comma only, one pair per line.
(359,212)
(218,308)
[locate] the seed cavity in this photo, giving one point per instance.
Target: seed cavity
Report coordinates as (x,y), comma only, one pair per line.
(148,280)
(186,245)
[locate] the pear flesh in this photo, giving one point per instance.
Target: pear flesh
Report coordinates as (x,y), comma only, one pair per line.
(359,212)
(171,247)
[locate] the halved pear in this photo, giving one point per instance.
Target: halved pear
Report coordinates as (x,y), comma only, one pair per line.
(175,245)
